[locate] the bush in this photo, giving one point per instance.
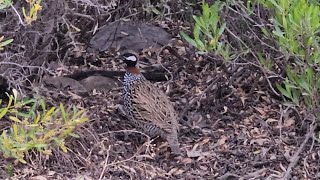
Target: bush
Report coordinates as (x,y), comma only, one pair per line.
(208,30)
(40,130)
(296,29)
(5,3)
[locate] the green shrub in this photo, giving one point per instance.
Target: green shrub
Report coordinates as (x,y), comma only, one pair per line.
(5,3)
(32,14)
(296,29)
(208,30)
(41,130)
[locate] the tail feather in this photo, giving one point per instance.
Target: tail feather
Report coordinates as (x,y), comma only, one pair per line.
(173,142)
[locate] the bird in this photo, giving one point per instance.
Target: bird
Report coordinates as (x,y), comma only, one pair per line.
(146,106)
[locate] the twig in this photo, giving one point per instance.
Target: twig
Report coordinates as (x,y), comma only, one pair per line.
(19,65)
(294,159)
(229,176)
(81,15)
(280,123)
(19,17)
(172,51)
(105,164)
(257,59)
(184,111)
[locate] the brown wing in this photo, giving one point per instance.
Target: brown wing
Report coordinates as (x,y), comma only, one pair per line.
(153,106)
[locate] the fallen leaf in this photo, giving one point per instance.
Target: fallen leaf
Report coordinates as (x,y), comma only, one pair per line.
(50,173)
(205,141)
(273,157)
(289,122)
(173,170)
(204,168)
(261,111)
(271,120)
(186,161)
(194,153)
(178,172)
(222,140)
(83,177)
(38,178)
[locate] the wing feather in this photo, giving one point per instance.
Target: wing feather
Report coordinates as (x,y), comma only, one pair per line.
(153,106)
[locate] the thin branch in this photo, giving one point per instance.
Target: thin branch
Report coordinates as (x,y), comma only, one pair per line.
(105,163)
(19,17)
(294,159)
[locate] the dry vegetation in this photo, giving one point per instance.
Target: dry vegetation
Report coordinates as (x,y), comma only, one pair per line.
(234,124)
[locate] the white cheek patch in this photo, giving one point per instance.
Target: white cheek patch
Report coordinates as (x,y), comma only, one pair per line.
(131,58)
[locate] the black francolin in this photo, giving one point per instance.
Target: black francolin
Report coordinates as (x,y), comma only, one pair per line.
(146,106)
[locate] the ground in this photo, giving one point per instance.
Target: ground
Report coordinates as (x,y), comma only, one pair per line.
(234,124)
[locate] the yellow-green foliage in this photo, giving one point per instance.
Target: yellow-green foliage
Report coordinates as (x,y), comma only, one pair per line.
(4,43)
(208,30)
(5,3)
(34,7)
(35,126)
(296,29)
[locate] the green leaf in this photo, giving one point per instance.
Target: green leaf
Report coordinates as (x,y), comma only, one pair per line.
(74,135)
(82,120)
(43,105)
(221,29)
(40,145)
(295,97)
(285,92)
(276,5)
(50,133)
(26,102)
(284,23)
(24,115)
(310,74)
(198,21)
(292,74)
(37,119)
(278,32)
(188,39)
(15,119)
(200,45)
(78,113)
(303,83)
(15,131)
(3,112)
(48,113)
(63,112)
(196,33)
(156,11)
(4,43)
(205,10)
(63,147)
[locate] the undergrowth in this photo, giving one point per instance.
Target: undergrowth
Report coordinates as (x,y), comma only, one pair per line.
(296,27)
(207,31)
(36,126)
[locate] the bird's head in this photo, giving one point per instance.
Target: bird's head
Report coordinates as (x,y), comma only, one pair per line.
(130,59)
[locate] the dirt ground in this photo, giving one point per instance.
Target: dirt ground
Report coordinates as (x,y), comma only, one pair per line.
(233,123)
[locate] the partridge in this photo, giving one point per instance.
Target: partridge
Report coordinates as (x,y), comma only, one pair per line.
(146,106)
